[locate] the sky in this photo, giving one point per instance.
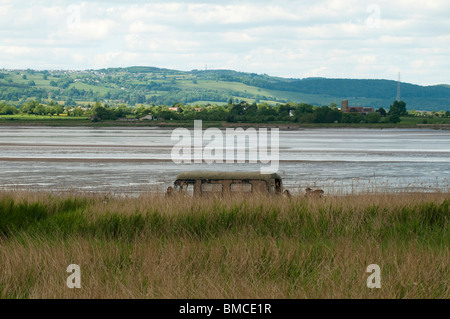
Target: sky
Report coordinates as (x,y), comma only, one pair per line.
(288,38)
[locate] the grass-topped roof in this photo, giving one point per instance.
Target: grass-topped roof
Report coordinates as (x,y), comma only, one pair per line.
(226,176)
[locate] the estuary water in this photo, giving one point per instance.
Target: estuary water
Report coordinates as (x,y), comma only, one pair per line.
(137,160)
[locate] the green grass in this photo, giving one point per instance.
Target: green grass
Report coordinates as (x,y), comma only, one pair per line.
(247,89)
(31,117)
(84,121)
(270,94)
(207,102)
(421,120)
(303,220)
(256,247)
(94,88)
(219,85)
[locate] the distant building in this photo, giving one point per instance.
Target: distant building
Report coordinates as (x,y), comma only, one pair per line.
(174,109)
(147,117)
(360,109)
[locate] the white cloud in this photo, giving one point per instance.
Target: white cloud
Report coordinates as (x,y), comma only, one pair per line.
(95,29)
(142,27)
(16,50)
(331,38)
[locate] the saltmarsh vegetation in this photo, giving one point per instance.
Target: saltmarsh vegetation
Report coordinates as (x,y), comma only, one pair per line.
(255,247)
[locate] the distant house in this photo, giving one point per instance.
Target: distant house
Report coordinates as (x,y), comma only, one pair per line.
(360,109)
(174,109)
(198,109)
(147,118)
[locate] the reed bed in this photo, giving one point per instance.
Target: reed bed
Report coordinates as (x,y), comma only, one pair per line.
(154,246)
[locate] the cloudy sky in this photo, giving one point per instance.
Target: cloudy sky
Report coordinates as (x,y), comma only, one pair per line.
(325,38)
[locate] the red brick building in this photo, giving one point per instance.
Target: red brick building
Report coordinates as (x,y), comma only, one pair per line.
(360,109)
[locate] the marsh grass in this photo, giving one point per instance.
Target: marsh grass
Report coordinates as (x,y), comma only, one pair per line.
(249,247)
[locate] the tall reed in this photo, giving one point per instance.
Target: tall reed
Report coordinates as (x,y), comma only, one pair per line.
(248,247)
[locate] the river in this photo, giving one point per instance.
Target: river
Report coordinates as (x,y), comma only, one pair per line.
(137,160)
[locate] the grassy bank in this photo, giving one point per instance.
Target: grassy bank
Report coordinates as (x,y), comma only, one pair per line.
(154,247)
(32,120)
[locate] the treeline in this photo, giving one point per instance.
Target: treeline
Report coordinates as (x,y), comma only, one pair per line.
(263,113)
(33,107)
(304,113)
(233,112)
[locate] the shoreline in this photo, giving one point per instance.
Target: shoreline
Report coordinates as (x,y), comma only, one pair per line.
(205,124)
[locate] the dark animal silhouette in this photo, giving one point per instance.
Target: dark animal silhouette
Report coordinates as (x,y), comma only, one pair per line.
(169,191)
(317,192)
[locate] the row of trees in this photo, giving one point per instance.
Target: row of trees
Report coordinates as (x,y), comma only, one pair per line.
(251,113)
(232,112)
(34,107)
(6,109)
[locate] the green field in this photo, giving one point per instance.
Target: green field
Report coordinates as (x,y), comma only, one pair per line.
(45,120)
(166,87)
(409,120)
(28,117)
(95,88)
(282,96)
(207,102)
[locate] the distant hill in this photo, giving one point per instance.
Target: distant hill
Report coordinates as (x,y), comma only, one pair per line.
(147,85)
